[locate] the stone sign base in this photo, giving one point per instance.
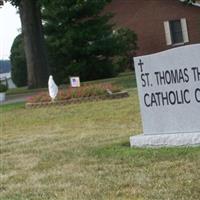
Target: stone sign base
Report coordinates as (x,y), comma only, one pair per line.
(165,140)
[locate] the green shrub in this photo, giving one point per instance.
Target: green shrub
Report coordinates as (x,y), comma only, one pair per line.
(3,88)
(18,62)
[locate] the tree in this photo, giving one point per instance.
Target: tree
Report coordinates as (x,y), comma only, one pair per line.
(36,57)
(189,2)
(81,41)
(128,44)
(18,62)
(1,3)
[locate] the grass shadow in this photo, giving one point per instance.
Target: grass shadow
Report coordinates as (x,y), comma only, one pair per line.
(124,151)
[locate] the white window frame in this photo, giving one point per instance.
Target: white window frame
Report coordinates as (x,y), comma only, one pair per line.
(168,36)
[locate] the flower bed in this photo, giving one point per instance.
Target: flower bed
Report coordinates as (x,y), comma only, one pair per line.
(77,95)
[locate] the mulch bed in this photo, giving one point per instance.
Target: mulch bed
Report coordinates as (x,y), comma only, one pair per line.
(116,95)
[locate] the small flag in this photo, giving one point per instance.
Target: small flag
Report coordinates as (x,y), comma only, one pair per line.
(75,81)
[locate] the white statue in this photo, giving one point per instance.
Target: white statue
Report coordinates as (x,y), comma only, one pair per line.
(53,88)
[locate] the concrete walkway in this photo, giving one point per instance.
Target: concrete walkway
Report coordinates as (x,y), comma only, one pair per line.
(16,98)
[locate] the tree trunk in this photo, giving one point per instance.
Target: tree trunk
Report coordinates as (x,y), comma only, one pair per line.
(36,57)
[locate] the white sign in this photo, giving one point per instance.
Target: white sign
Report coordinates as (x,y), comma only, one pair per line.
(169,90)
(75,81)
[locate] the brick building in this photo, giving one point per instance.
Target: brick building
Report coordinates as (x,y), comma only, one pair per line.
(159,24)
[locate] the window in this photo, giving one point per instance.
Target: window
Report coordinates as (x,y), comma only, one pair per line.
(176,32)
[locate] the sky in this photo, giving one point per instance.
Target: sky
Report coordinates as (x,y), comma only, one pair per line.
(10,27)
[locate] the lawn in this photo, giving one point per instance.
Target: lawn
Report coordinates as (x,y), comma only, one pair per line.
(81,152)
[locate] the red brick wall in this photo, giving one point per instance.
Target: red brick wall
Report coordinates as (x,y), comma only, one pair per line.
(146,18)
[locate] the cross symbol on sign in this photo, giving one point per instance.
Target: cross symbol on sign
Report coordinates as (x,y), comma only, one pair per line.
(141,64)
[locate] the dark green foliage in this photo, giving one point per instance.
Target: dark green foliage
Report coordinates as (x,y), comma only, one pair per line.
(189,2)
(14,2)
(3,87)
(127,44)
(82,42)
(18,61)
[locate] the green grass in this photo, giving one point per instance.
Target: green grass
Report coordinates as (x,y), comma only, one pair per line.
(11,107)
(82,152)
(23,90)
(126,80)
